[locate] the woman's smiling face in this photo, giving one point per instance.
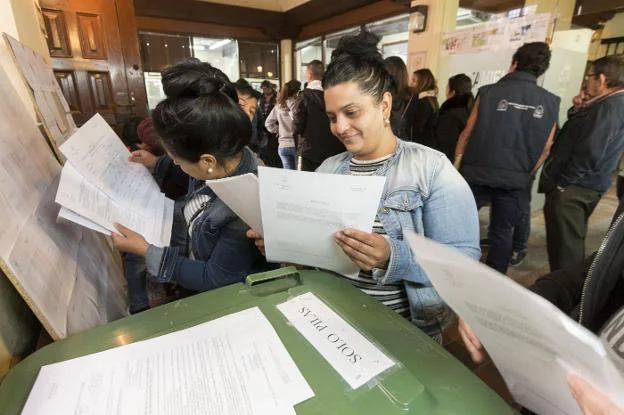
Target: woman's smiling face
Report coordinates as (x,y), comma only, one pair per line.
(356,119)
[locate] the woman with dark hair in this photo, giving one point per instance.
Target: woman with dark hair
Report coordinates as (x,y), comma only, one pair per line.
(205,132)
(280,122)
(426,117)
(454,113)
(423,192)
(403,100)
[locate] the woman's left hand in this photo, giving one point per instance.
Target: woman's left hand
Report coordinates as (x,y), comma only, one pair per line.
(128,240)
(366,250)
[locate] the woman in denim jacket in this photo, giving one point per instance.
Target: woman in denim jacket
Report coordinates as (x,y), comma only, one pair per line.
(423,192)
(205,132)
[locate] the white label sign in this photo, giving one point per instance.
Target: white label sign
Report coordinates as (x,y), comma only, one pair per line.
(355,358)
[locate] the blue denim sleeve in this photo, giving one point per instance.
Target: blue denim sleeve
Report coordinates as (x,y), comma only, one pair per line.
(449,217)
(160,169)
(231,260)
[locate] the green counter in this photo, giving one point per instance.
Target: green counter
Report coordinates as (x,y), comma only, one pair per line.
(428,380)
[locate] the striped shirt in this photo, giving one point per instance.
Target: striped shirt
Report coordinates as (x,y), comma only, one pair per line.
(392,295)
(192,210)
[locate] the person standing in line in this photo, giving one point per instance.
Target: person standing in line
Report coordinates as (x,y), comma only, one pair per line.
(454,114)
(267,102)
(506,140)
(426,111)
(280,122)
(315,141)
(403,100)
(585,155)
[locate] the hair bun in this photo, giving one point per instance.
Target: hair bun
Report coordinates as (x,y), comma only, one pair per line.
(362,46)
(192,78)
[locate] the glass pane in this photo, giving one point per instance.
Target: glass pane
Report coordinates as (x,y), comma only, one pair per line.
(259,61)
(620,48)
(159,50)
(331,41)
(395,49)
(394,33)
(154,89)
(305,53)
(220,53)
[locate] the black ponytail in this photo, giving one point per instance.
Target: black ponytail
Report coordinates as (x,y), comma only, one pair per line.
(357,59)
(201,114)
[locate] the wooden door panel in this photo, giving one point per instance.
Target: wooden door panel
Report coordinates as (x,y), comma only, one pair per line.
(56,28)
(90,65)
(92,42)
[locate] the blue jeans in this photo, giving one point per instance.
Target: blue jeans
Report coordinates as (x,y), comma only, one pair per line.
(288,156)
(136,276)
(504,205)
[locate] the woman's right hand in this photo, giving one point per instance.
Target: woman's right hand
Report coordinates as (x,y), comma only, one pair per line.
(471,341)
(145,158)
(258,240)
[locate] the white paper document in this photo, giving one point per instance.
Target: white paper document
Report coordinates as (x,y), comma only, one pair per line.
(232,365)
(99,184)
(241,194)
(72,216)
(532,343)
(352,355)
(302,211)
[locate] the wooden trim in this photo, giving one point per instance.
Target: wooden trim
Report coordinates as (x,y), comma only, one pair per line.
(156,24)
(366,14)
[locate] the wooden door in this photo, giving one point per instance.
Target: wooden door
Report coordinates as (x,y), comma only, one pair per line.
(95,56)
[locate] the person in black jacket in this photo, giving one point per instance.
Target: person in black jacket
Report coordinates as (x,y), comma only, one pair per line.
(454,114)
(506,140)
(584,157)
(425,116)
(403,100)
(592,293)
(313,138)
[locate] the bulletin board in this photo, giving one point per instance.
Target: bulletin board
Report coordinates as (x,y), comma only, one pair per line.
(52,109)
(69,276)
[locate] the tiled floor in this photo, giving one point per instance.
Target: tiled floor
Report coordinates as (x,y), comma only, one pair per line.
(534,266)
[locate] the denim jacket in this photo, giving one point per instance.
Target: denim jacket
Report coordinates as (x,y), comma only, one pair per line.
(223,254)
(423,193)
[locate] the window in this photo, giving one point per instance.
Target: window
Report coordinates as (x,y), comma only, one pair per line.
(220,53)
(394,33)
(306,52)
(331,41)
(259,61)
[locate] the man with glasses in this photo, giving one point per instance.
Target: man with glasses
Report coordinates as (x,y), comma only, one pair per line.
(583,158)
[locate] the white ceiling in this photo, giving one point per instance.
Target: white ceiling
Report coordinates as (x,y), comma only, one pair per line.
(273,5)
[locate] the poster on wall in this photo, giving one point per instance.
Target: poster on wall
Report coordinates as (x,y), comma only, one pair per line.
(498,35)
(416,61)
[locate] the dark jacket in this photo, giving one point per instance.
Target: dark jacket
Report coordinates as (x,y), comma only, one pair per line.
(222,252)
(424,121)
(514,120)
(592,292)
(451,122)
(588,147)
(172,180)
(313,136)
(402,117)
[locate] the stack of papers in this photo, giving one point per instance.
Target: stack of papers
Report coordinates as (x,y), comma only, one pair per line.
(234,365)
(533,344)
(298,213)
(100,186)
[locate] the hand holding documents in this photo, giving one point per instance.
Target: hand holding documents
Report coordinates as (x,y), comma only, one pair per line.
(99,186)
(532,343)
(234,365)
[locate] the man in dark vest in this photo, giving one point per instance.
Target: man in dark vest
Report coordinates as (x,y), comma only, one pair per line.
(507,138)
(313,137)
(584,157)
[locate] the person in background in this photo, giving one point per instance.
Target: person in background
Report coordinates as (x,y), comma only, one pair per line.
(584,157)
(454,114)
(426,111)
(313,137)
(267,103)
(506,140)
(423,192)
(172,180)
(280,122)
(597,303)
(248,100)
(403,101)
(205,132)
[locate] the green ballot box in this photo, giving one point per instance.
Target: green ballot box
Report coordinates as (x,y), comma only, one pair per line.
(425,379)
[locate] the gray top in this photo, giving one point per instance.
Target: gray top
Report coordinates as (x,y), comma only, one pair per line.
(280,122)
